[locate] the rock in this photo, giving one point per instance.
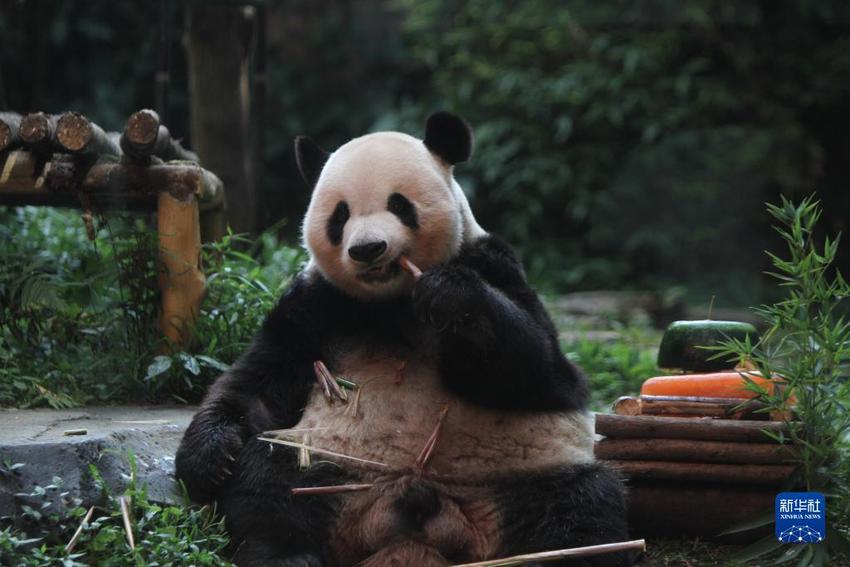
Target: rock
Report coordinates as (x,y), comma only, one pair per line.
(63,443)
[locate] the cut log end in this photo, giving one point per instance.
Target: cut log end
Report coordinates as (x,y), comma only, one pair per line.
(74,131)
(5,136)
(142,127)
(35,128)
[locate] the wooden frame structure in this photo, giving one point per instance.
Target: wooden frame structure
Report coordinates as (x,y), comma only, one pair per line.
(68,161)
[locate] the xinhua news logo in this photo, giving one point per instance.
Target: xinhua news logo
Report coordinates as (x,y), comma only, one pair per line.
(800,517)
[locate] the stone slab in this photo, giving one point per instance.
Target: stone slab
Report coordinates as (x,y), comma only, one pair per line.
(38,440)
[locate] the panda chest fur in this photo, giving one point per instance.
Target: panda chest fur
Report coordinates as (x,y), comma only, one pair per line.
(399,400)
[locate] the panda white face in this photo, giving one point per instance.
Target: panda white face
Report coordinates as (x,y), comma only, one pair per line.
(379,197)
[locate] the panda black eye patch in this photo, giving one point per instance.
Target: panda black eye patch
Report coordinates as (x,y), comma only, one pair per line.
(337,222)
(400,206)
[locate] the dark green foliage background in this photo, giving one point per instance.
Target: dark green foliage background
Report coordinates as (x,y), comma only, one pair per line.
(618,144)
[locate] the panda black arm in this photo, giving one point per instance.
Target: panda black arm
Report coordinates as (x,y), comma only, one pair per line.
(266,388)
(498,345)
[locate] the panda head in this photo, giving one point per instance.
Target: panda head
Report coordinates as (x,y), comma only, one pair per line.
(382,196)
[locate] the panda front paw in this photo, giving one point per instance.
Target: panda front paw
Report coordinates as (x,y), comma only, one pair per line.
(448,297)
(206,459)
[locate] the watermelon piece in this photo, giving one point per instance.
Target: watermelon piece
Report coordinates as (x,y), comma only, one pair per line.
(680,352)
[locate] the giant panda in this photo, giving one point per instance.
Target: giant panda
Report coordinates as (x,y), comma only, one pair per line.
(464,359)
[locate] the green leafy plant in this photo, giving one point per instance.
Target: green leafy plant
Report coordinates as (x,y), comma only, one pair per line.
(78,317)
(807,348)
(163,534)
(614,368)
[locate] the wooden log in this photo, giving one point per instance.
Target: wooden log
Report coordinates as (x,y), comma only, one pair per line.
(690,406)
(693,451)
(76,134)
(110,184)
(763,475)
(37,131)
(181,282)
(10,123)
(620,426)
(668,508)
(144,137)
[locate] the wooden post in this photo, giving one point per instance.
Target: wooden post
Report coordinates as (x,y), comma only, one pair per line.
(181,280)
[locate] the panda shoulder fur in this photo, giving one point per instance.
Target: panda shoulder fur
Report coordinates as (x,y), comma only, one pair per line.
(463,360)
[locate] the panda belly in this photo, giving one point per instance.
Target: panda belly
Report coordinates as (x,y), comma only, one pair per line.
(447,509)
(397,406)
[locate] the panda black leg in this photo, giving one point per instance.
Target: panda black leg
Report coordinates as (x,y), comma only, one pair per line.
(257,553)
(574,507)
(267,524)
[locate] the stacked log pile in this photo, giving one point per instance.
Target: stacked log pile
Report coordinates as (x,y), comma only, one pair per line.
(699,449)
(68,160)
(695,476)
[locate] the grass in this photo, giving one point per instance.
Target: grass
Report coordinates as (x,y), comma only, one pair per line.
(164,534)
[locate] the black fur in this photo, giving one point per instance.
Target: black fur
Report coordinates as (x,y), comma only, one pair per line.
(579,506)
(336,223)
(311,159)
(448,136)
(498,348)
(400,206)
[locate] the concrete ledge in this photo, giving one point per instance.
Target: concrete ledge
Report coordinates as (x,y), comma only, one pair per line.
(39,440)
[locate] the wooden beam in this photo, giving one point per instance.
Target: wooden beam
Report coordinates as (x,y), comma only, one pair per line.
(694,451)
(106,182)
(763,475)
(621,426)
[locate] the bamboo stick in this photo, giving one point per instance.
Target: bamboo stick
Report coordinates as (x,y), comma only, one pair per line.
(763,475)
(128,526)
(410,267)
(10,124)
(546,556)
(642,426)
(144,136)
(694,451)
(431,443)
(79,531)
(320,451)
(312,490)
(77,134)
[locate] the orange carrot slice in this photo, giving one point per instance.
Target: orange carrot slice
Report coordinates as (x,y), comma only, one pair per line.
(714,385)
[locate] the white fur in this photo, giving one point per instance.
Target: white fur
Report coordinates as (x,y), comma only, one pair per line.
(364,173)
(395,417)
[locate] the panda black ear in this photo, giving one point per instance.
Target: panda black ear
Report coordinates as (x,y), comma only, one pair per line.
(448,136)
(311,159)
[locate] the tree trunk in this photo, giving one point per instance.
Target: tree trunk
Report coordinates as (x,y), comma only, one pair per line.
(221,106)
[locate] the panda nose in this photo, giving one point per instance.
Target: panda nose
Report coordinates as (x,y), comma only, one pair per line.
(368,252)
